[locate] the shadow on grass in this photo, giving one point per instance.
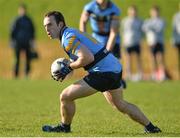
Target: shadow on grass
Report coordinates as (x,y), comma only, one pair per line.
(117,133)
(8,129)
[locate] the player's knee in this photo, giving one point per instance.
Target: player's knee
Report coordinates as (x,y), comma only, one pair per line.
(113,106)
(64,96)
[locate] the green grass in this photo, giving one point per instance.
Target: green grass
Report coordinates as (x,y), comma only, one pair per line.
(37,9)
(25,105)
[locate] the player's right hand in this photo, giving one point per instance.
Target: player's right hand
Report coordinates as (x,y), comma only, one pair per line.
(58,76)
(61,74)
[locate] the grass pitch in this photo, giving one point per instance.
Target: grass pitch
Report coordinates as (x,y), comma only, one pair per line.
(26,105)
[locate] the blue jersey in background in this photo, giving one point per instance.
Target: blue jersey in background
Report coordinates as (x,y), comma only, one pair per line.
(100,20)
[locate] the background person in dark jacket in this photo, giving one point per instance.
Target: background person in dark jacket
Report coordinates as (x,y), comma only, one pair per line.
(22,39)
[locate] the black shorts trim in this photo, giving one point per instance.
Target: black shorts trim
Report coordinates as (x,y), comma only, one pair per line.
(177,45)
(104,81)
(157,48)
(117,51)
(133,49)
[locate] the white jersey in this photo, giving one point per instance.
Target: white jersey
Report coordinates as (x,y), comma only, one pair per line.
(131,31)
(176,28)
(154,30)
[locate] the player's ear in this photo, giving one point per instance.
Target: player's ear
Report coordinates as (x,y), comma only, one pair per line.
(60,24)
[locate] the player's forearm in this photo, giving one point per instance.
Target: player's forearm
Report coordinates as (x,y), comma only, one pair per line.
(81,62)
(113,33)
(82,26)
(83,21)
(111,42)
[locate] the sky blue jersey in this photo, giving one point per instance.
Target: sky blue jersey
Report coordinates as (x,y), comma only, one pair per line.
(100,20)
(72,40)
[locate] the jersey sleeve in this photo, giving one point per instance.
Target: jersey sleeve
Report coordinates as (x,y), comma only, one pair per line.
(115,11)
(88,7)
(71,44)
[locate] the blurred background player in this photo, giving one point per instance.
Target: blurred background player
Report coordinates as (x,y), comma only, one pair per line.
(176,34)
(22,39)
(154,30)
(131,37)
(104,21)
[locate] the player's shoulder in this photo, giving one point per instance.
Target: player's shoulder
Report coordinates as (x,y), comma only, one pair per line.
(90,5)
(69,34)
(115,8)
(161,20)
(125,19)
(177,14)
(139,20)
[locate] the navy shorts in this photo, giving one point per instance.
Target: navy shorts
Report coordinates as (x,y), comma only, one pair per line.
(177,45)
(133,49)
(104,81)
(157,48)
(117,51)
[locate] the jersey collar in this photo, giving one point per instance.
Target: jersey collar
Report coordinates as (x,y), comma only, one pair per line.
(62,31)
(108,5)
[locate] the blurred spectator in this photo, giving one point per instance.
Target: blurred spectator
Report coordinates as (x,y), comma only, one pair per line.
(22,39)
(154,30)
(104,20)
(176,34)
(132,34)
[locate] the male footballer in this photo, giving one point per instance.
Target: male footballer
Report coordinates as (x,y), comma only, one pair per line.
(103,70)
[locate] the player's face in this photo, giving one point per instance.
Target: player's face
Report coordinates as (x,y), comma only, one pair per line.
(101,2)
(51,27)
(154,13)
(132,12)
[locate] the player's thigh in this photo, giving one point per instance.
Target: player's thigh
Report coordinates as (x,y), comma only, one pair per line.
(108,97)
(117,51)
(77,90)
(114,97)
(159,55)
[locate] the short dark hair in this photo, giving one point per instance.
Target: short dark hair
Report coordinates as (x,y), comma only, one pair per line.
(22,5)
(57,15)
(156,7)
(133,7)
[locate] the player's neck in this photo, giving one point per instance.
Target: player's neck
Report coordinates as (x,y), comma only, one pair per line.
(104,5)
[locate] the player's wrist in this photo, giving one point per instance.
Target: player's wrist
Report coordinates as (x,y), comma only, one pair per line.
(70,68)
